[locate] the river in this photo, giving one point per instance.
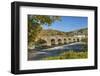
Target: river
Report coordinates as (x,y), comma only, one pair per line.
(55,51)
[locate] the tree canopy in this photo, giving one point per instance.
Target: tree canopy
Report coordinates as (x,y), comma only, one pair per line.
(35,23)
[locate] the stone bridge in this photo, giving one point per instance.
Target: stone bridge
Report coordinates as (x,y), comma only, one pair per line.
(55,40)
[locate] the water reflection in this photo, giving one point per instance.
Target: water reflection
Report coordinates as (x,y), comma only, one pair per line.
(56,51)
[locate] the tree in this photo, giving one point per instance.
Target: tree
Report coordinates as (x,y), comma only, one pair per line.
(85,40)
(35,23)
(41,42)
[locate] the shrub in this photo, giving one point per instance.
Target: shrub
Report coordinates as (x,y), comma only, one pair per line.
(69,55)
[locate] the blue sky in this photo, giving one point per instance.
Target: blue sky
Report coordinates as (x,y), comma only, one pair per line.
(69,23)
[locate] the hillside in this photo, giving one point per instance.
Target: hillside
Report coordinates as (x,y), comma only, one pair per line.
(51,32)
(83,31)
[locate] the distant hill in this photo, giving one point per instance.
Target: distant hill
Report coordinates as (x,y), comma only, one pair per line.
(51,32)
(83,31)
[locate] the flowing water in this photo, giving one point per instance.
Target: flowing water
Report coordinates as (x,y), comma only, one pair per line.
(56,51)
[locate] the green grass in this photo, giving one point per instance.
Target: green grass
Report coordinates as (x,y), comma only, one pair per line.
(69,55)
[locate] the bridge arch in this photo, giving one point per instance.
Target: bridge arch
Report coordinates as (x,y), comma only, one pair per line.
(53,41)
(65,40)
(59,41)
(78,39)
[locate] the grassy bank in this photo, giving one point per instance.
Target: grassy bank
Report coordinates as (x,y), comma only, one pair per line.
(69,55)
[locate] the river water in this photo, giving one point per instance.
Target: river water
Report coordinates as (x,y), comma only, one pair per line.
(55,51)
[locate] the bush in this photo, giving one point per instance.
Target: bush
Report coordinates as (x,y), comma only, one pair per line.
(69,55)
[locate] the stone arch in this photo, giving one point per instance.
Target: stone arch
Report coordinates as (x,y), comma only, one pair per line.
(78,40)
(59,41)
(65,40)
(74,40)
(53,41)
(69,40)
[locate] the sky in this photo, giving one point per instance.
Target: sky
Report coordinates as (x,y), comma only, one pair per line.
(69,23)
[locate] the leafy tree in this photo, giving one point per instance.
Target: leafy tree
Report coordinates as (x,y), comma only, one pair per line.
(40,42)
(35,23)
(85,40)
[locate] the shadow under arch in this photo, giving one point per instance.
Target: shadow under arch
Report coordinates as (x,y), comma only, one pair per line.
(53,42)
(59,41)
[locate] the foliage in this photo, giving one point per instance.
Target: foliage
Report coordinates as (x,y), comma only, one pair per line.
(35,23)
(69,55)
(40,43)
(51,32)
(85,40)
(43,19)
(33,32)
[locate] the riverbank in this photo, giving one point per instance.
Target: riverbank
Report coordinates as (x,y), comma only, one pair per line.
(69,55)
(58,52)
